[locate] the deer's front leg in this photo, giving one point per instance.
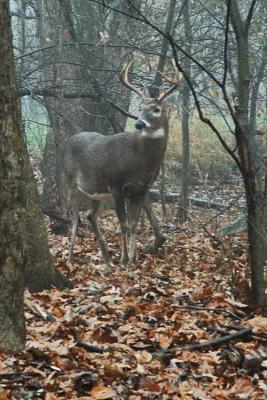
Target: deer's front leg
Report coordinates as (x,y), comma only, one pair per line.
(119,201)
(73,233)
(134,207)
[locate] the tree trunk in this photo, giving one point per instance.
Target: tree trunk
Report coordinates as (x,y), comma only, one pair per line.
(40,272)
(183,203)
(257,222)
(154,90)
(256,195)
(49,196)
(12,198)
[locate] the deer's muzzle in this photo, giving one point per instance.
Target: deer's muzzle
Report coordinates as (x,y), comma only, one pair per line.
(140,124)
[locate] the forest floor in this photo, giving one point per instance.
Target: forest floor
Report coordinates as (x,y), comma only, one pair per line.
(178,325)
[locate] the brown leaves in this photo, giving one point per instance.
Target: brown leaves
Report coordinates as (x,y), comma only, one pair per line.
(101,393)
(259,325)
(134,326)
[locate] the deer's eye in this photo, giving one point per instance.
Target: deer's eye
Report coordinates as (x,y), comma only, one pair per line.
(156,110)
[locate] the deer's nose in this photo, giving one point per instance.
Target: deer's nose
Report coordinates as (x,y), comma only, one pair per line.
(140,124)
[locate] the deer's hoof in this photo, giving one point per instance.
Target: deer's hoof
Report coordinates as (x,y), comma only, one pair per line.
(133,260)
(159,242)
(124,260)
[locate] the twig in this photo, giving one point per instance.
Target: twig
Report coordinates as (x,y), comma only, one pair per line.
(217,310)
(243,333)
(237,335)
(36,310)
(12,374)
(88,347)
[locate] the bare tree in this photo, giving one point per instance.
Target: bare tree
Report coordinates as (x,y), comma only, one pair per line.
(255,187)
(247,158)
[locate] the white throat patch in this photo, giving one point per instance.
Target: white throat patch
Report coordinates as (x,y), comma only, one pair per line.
(159,133)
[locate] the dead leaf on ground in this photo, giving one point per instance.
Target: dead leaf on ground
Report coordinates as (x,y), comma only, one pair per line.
(102,392)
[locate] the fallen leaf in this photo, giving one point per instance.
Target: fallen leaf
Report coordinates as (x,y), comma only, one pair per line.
(143,356)
(102,392)
(258,325)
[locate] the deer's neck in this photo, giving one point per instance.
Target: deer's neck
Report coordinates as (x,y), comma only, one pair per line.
(158,134)
(156,139)
(154,144)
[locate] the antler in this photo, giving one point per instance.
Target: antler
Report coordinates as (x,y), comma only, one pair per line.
(174,82)
(124,79)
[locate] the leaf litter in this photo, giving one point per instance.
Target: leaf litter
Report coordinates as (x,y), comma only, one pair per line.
(147,331)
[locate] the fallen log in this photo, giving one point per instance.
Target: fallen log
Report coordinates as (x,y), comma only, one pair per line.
(172,197)
(155,196)
(234,227)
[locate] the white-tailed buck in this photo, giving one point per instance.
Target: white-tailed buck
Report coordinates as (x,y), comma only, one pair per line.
(122,166)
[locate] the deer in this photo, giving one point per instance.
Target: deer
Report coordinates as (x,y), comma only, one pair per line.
(121,167)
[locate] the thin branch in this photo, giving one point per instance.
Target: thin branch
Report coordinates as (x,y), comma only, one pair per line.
(250,14)
(168,36)
(210,309)
(200,113)
(52,46)
(21,15)
(244,333)
(55,92)
(68,94)
(121,110)
(225,51)
(218,108)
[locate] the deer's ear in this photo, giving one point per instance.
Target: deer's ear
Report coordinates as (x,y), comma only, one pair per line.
(170,100)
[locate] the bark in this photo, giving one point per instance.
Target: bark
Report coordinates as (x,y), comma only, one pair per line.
(12,199)
(257,234)
(256,195)
(154,89)
(49,197)
(183,203)
(40,272)
(253,113)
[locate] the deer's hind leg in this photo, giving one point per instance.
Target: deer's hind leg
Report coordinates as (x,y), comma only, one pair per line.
(119,201)
(74,200)
(73,233)
(159,238)
(93,217)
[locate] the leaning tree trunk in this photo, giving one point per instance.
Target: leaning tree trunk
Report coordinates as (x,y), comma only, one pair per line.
(40,272)
(12,198)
